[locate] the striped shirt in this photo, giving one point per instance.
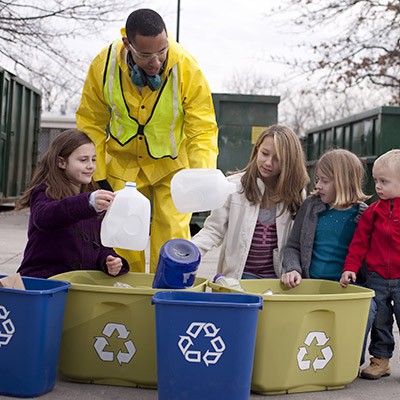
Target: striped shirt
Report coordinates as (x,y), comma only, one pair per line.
(260,257)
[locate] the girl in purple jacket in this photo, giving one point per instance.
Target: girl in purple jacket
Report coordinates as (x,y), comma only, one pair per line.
(66,211)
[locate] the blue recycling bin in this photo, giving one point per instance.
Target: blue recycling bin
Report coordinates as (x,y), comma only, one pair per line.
(31,326)
(205,344)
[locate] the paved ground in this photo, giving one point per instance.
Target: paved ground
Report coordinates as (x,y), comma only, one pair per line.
(13,226)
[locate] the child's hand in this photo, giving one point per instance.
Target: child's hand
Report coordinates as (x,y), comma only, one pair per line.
(102,199)
(347,277)
(291,279)
(114,265)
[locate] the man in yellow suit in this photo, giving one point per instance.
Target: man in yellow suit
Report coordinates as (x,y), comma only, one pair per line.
(148,108)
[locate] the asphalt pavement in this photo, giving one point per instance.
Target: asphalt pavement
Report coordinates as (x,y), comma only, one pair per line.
(13,229)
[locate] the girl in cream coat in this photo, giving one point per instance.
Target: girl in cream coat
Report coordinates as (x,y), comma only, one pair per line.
(255,221)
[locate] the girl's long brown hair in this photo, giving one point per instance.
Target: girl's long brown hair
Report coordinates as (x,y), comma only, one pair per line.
(293,177)
(48,172)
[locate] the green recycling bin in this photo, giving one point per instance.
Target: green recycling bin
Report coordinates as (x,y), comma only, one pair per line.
(308,338)
(109,328)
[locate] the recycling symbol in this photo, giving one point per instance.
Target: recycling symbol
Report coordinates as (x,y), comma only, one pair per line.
(101,343)
(195,332)
(7,327)
(318,363)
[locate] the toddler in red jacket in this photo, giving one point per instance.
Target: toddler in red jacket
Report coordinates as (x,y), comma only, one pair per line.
(376,242)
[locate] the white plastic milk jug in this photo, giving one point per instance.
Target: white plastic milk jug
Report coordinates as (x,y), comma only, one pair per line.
(200,189)
(126,224)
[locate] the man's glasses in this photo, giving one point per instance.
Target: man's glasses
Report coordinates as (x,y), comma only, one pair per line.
(149,56)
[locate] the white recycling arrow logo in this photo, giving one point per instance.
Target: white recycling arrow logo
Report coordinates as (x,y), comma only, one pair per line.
(318,363)
(7,327)
(210,356)
(101,343)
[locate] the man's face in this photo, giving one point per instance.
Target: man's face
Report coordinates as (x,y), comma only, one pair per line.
(149,52)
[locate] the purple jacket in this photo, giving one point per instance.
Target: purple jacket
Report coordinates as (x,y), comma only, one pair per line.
(63,235)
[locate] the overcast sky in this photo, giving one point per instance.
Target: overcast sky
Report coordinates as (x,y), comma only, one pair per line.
(226,37)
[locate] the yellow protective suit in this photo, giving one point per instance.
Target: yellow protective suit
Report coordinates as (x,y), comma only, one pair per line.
(132,162)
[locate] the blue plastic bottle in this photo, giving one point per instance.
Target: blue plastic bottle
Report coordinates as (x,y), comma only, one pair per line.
(177,265)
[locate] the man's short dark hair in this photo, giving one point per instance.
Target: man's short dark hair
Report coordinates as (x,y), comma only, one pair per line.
(144,22)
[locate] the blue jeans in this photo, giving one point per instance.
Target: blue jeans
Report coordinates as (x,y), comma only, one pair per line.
(387,298)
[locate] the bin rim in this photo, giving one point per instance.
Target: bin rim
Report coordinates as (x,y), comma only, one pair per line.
(364,293)
(62,286)
(143,290)
(248,300)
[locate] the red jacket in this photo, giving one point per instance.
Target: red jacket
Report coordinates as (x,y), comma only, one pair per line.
(377,240)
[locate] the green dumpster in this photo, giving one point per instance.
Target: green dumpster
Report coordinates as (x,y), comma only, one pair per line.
(20,105)
(368,135)
(237,116)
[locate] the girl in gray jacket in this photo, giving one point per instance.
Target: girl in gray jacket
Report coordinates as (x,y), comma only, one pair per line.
(326,221)
(325,224)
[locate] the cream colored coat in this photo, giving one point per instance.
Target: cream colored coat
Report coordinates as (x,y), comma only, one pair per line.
(232,226)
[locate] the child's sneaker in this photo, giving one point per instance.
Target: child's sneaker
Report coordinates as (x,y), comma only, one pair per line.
(378,368)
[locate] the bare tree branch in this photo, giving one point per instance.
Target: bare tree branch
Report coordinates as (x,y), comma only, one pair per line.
(365,48)
(33,38)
